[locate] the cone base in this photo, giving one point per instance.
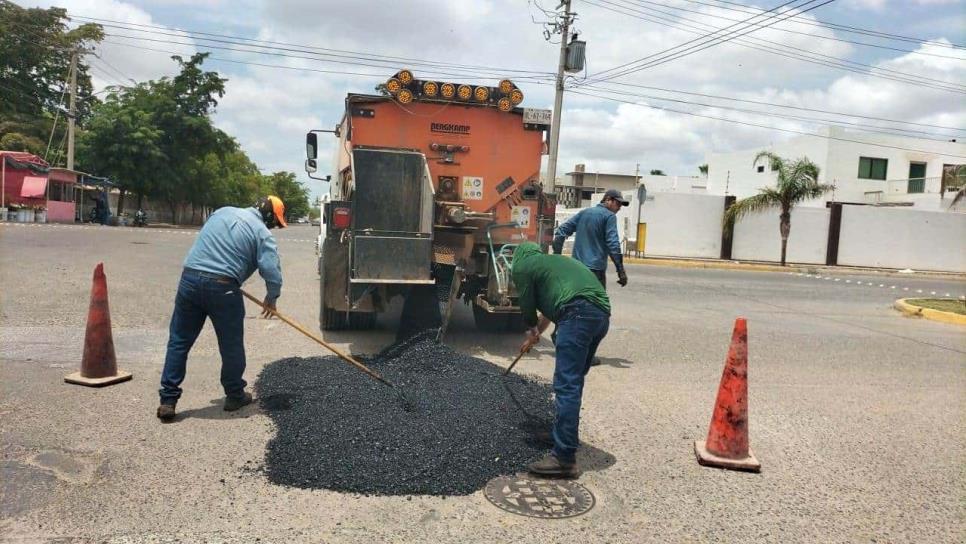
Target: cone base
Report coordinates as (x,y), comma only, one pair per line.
(708,459)
(76,378)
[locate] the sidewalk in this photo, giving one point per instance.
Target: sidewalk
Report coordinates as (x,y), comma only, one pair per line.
(791,267)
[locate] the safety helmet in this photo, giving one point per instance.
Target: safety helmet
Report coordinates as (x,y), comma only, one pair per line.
(272,210)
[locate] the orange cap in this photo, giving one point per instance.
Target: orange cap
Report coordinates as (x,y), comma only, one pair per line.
(278,208)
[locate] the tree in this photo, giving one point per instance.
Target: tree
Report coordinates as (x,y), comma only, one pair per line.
(35,52)
(796,182)
(292,192)
(658,173)
(123,143)
(703,169)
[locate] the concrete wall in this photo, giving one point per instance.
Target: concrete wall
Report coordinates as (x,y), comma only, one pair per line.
(902,238)
(680,225)
(757,237)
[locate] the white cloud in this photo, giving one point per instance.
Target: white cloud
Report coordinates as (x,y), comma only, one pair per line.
(269,109)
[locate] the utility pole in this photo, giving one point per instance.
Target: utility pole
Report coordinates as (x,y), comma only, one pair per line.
(558,98)
(73,109)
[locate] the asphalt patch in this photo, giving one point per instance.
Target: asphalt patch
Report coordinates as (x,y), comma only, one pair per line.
(460,424)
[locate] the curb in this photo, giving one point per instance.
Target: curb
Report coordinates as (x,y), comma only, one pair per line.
(794,267)
(934,315)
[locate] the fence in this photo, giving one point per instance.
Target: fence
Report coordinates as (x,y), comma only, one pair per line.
(690,226)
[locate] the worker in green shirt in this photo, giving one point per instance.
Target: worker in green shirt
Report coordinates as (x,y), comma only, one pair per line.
(566,293)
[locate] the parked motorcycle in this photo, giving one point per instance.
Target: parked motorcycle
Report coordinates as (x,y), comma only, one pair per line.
(140,218)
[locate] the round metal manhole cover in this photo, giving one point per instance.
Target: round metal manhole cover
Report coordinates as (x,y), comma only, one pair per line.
(539,498)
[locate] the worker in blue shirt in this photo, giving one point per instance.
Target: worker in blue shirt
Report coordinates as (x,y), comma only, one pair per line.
(233,243)
(596,230)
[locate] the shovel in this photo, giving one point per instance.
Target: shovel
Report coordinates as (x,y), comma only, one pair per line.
(345,357)
(523,351)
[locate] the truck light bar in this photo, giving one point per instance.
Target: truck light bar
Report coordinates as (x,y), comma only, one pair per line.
(406,88)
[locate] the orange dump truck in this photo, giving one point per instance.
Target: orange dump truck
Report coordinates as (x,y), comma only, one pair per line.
(434,185)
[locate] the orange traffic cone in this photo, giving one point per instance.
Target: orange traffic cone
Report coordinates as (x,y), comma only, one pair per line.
(99,366)
(727,443)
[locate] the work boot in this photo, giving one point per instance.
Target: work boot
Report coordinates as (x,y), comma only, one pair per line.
(552,467)
(234,403)
(166,413)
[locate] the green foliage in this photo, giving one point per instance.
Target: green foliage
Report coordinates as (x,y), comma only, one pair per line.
(658,173)
(35,52)
(293,194)
(157,139)
(703,169)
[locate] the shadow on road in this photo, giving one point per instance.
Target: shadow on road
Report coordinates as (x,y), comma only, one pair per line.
(216,410)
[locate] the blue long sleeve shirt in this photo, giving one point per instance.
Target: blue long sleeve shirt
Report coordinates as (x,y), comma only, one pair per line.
(596,230)
(235,242)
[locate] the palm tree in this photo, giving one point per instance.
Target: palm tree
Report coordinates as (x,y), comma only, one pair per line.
(797,181)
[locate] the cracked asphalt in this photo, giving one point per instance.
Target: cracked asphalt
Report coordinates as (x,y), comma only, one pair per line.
(857,414)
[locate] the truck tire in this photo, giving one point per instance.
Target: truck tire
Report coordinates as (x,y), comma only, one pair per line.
(329,318)
(362,321)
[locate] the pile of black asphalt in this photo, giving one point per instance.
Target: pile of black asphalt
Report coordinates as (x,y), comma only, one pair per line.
(451,423)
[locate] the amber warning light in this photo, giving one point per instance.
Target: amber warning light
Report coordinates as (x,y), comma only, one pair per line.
(405,88)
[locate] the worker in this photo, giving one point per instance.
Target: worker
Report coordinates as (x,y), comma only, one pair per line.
(596,230)
(232,244)
(566,293)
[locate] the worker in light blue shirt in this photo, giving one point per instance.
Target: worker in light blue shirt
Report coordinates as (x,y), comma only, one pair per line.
(596,230)
(233,243)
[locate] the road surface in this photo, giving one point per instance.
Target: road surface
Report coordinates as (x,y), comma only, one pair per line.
(857,414)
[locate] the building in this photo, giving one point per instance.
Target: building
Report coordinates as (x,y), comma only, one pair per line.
(579,188)
(36,191)
(865,168)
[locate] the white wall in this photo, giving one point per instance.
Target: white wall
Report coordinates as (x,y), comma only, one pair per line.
(735,173)
(902,238)
(838,156)
(757,237)
(680,225)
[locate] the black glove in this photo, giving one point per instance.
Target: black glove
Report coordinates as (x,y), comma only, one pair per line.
(619,265)
(557,246)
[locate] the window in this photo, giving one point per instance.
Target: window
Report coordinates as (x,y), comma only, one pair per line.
(917,177)
(870,168)
(761,168)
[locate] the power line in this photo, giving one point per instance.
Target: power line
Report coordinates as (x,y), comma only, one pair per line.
(778,28)
(293,47)
(703,42)
(317,58)
(892,131)
(799,54)
(800,108)
(792,131)
(836,26)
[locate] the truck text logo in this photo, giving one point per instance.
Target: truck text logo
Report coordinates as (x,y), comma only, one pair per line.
(449,128)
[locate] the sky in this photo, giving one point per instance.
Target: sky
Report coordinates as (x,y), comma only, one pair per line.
(269,107)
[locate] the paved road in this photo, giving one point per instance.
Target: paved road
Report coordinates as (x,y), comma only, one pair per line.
(857,414)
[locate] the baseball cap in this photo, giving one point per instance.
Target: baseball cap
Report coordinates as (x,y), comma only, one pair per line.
(616,195)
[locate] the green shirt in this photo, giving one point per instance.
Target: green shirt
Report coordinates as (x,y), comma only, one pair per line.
(547,282)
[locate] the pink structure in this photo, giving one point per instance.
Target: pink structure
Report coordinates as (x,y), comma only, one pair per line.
(27,180)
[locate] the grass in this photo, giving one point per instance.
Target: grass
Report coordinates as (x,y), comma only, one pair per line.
(942,304)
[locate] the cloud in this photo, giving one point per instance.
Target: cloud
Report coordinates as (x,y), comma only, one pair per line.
(269,109)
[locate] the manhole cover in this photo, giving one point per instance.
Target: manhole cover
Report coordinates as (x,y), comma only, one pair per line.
(539,498)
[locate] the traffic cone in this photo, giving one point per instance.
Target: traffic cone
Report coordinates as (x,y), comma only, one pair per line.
(99,365)
(727,443)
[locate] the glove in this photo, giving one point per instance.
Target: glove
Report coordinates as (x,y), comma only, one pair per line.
(557,246)
(619,265)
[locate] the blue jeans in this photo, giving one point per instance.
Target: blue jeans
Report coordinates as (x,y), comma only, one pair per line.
(581,325)
(200,296)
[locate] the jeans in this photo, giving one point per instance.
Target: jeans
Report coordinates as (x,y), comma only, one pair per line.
(201,295)
(581,325)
